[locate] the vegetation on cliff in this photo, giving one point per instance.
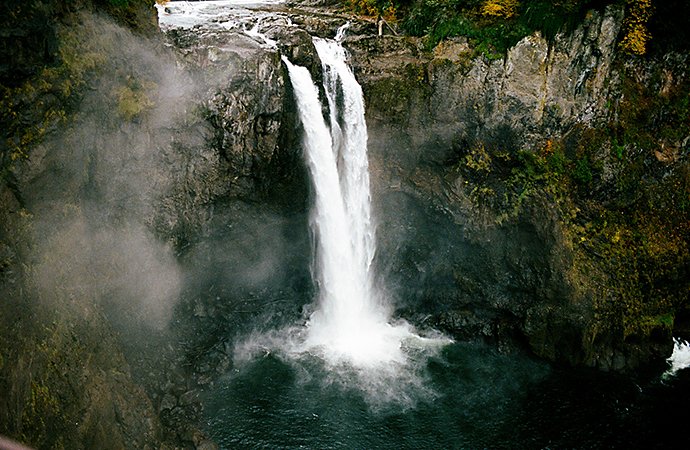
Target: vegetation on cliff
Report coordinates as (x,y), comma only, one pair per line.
(48,63)
(496,25)
(63,377)
(622,192)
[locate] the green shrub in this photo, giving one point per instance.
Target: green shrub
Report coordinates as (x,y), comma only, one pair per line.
(583,171)
(493,25)
(557,162)
(133,100)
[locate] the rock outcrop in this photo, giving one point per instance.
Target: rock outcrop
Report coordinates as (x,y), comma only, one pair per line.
(476,233)
(441,98)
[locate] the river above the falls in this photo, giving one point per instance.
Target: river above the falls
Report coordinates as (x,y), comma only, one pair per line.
(225,13)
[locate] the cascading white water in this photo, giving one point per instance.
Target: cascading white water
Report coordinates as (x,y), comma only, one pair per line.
(680,359)
(351,322)
(349,143)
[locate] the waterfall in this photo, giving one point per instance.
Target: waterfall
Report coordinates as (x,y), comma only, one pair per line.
(350,325)
(351,321)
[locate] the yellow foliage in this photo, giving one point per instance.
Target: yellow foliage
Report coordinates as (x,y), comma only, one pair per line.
(500,8)
(364,7)
(478,159)
(390,13)
(373,8)
(548,148)
(636,33)
(635,39)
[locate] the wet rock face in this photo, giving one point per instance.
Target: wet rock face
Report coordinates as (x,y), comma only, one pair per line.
(246,118)
(474,271)
(297,45)
(249,110)
(539,89)
(506,283)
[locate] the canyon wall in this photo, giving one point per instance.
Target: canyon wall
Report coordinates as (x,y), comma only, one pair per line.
(155,204)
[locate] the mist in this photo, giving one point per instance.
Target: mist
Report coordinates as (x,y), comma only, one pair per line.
(135,208)
(133,274)
(104,189)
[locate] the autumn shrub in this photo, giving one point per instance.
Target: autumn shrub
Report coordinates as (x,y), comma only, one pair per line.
(636,37)
(385,8)
(500,8)
(364,7)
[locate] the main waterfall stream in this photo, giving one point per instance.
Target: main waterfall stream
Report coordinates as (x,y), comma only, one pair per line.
(349,331)
(351,320)
(349,375)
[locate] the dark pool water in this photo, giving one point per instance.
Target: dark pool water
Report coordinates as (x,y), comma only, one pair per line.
(467,396)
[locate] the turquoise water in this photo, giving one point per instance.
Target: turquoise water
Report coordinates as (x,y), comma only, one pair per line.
(468,396)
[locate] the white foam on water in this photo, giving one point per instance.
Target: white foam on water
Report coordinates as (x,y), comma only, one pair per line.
(679,359)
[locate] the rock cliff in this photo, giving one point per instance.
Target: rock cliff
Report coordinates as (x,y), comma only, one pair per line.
(491,174)
(155,204)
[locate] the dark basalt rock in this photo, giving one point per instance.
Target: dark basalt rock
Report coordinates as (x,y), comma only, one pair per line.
(297,45)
